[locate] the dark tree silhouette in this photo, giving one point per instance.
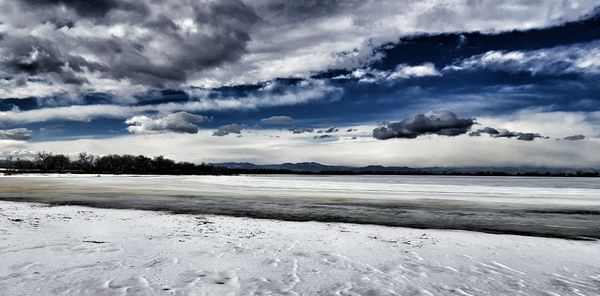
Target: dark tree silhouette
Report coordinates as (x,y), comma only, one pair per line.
(141,165)
(86,162)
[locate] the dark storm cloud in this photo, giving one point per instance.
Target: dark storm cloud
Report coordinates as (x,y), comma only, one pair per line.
(217,33)
(19,134)
(321,137)
(574,138)
(225,130)
(32,56)
(328,131)
(528,136)
(443,123)
(306,9)
(92,8)
(504,133)
(301,130)
(158,50)
(156,44)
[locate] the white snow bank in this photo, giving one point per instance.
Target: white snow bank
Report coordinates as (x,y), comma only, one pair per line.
(71,250)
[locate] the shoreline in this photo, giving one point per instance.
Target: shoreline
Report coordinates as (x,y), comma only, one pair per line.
(567,232)
(507,211)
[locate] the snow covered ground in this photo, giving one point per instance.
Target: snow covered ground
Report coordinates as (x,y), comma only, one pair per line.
(72,250)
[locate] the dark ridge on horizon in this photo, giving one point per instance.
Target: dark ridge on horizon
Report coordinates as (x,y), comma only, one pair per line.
(318,168)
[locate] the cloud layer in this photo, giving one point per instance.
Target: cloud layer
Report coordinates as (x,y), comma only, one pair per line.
(55,46)
(200,100)
(287,71)
(286,147)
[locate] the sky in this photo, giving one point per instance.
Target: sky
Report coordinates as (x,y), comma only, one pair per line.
(397,83)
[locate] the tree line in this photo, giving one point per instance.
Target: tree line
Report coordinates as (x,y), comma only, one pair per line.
(114,164)
(86,163)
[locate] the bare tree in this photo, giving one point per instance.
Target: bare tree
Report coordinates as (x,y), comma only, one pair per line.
(86,161)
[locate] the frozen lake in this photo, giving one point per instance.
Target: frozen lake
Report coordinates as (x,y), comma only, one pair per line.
(555,207)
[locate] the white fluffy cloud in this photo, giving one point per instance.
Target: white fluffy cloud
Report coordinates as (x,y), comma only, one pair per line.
(19,134)
(578,58)
(402,71)
(180,122)
(405,71)
(277,120)
(6,152)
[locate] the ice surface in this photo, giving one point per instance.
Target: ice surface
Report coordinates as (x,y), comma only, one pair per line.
(72,250)
(557,207)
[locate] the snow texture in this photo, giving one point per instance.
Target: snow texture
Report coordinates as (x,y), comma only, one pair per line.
(73,250)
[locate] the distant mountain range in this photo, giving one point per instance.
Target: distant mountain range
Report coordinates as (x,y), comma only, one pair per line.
(317,168)
(313,167)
